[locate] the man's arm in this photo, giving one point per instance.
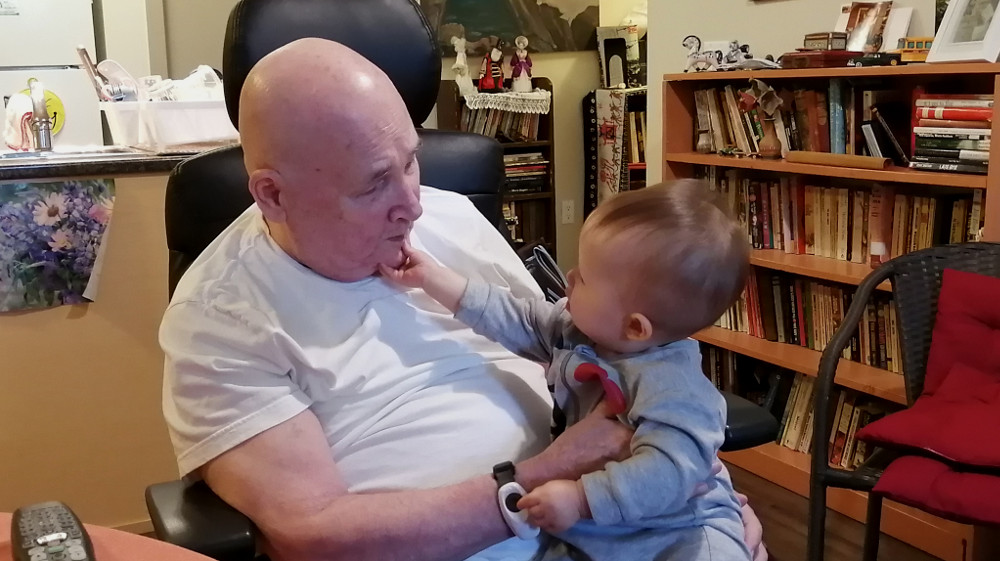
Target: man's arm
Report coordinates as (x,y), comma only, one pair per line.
(286,482)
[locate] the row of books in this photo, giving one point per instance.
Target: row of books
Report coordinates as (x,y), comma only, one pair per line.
(790,396)
(840,222)
(526,221)
(952,132)
(505,125)
(849,412)
(787,309)
(635,148)
(526,172)
(928,131)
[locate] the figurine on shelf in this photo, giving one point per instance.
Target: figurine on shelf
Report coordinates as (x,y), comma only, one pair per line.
(520,66)
(698,60)
(491,71)
(461,68)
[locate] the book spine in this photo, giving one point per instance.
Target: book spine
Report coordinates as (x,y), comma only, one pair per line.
(952,124)
(842,226)
(975,216)
(956,113)
(924,142)
(973,155)
(767,239)
(960,168)
(942,101)
(838,132)
(952,133)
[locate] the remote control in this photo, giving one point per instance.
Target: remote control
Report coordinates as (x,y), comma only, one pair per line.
(49,531)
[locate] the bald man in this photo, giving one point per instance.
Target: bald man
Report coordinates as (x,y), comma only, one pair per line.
(349,420)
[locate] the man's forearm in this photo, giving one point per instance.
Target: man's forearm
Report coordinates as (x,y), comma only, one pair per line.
(436,524)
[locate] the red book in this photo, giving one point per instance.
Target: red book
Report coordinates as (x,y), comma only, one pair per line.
(803,338)
(959,113)
(918,94)
(951,124)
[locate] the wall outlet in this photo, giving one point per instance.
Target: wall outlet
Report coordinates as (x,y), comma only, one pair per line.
(568,211)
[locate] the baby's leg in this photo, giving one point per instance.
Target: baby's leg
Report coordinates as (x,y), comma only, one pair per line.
(703,543)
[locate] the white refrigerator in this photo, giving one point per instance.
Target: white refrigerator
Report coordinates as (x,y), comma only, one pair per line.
(38,39)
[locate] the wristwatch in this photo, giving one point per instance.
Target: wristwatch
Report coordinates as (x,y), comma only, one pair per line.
(509,492)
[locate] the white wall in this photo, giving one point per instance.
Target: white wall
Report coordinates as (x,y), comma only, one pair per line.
(769,27)
(134,34)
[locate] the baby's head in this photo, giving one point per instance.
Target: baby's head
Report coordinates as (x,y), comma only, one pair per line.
(656,265)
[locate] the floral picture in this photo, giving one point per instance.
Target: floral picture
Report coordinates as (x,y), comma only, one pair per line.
(50,240)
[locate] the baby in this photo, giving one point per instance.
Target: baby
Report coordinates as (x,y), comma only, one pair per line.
(655,266)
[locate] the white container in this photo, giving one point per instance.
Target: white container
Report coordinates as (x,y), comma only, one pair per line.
(179,123)
(124,121)
(166,125)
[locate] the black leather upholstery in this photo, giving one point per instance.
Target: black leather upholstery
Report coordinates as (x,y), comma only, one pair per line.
(393,34)
(747,424)
(191,516)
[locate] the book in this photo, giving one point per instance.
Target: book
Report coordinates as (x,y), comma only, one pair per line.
(896,150)
(952,124)
(956,113)
(789,407)
(952,133)
(954,100)
(880,219)
(946,160)
(973,155)
(838,127)
(925,142)
(959,168)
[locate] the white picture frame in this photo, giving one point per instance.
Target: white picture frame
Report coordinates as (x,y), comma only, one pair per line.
(969,32)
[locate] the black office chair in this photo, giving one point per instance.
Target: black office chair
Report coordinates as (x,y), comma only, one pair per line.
(207,192)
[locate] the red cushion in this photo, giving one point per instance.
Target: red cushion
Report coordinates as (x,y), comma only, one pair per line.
(932,486)
(951,423)
(960,402)
(967,326)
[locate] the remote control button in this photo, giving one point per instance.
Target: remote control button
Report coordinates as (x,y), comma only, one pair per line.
(54,537)
(39,557)
(37,549)
(55,549)
(73,542)
(77,554)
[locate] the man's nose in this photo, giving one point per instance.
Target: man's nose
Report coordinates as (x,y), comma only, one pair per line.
(408,207)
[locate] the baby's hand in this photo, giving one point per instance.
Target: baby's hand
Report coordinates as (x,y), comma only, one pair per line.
(415,271)
(555,506)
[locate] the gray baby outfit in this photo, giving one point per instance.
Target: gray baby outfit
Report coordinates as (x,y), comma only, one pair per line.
(642,507)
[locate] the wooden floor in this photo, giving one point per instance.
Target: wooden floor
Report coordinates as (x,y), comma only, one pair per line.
(784,516)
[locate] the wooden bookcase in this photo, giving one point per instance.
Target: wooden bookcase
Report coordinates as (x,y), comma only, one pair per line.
(536,210)
(785,467)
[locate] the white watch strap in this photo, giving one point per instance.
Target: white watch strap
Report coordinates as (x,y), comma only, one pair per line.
(507,496)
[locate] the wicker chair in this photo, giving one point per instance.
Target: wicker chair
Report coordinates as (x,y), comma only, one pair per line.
(916,283)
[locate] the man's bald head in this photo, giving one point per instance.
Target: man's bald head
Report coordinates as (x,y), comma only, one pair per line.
(308,94)
(331,155)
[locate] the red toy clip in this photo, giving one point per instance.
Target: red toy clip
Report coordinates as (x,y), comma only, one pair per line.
(612,393)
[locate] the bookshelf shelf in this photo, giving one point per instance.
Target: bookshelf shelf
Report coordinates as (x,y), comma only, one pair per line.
(890,175)
(812,266)
(790,469)
(528,196)
(854,375)
(532,144)
(915,70)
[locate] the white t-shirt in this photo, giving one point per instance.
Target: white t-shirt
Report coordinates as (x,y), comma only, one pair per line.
(408,396)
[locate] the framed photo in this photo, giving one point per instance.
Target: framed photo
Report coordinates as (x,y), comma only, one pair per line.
(969,32)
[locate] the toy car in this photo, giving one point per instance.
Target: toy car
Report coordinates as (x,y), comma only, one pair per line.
(876,59)
(914,49)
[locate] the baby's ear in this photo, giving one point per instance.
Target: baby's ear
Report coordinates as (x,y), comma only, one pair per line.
(638,327)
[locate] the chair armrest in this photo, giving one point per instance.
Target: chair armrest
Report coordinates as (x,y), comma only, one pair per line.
(747,424)
(191,516)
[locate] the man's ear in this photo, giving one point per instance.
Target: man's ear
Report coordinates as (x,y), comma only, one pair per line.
(267,188)
(638,327)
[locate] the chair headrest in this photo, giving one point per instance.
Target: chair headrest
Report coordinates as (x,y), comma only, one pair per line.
(393,34)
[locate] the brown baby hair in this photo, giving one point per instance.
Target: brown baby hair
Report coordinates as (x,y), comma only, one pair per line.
(686,260)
